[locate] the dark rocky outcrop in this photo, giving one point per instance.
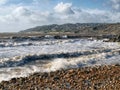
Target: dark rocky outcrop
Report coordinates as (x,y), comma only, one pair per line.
(115,39)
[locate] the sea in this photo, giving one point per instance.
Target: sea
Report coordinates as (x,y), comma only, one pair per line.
(21,58)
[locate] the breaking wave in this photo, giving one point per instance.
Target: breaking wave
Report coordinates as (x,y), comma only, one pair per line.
(31,59)
(52,55)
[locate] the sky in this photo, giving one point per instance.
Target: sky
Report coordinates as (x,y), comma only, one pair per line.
(16,15)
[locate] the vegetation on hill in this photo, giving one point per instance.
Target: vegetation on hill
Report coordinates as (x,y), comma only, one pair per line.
(79,28)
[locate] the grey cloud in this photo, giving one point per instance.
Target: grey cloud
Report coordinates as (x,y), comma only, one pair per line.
(115,4)
(22,11)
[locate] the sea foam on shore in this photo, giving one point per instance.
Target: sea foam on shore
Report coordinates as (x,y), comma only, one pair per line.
(19,59)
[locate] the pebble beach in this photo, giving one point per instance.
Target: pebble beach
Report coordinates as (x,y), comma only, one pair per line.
(88,78)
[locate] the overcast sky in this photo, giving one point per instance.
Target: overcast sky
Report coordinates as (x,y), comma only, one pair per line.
(16,15)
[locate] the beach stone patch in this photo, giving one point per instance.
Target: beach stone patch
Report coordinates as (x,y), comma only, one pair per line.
(87,78)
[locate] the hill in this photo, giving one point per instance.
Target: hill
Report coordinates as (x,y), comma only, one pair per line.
(79,28)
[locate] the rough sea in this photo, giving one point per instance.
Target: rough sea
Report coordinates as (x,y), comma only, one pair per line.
(22,58)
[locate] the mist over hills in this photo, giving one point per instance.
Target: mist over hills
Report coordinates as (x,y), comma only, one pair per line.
(78,28)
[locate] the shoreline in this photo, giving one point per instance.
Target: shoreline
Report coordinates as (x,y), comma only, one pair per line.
(41,36)
(88,78)
(56,35)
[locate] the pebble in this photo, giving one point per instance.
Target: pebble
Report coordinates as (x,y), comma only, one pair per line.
(94,78)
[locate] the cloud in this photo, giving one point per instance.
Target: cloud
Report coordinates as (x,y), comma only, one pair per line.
(21,11)
(115,4)
(20,17)
(2,2)
(85,16)
(64,8)
(16,14)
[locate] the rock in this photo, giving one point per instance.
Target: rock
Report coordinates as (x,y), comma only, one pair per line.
(45,75)
(47,89)
(13,80)
(56,78)
(71,71)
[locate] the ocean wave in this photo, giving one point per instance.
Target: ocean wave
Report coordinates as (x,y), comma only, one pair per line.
(21,59)
(31,59)
(32,43)
(32,64)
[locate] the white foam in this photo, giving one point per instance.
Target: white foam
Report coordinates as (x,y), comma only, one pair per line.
(92,53)
(85,61)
